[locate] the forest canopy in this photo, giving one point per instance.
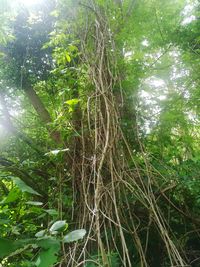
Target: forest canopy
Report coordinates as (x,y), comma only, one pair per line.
(99,133)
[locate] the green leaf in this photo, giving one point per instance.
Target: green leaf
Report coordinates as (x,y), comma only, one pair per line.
(34,203)
(74,236)
(72,102)
(73,48)
(9,246)
(50,247)
(12,196)
(48,242)
(54,232)
(40,233)
(52,212)
(56,151)
(23,187)
(68,57)
(58,226)
(47,258)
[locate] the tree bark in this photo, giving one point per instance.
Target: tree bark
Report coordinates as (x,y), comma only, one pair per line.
(42,112)
(38,105)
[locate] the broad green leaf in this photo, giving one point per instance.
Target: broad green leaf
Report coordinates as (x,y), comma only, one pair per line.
(58,226)
(74,236)
(9,246)
(47,258)
(23,187)
(12,196)
(48,242)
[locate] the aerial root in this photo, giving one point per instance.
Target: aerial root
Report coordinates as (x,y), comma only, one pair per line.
(105,208)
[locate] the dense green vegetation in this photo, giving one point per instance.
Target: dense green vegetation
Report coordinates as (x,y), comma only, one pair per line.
(99,133)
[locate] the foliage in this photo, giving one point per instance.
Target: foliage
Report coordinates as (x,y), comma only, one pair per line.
(99,125)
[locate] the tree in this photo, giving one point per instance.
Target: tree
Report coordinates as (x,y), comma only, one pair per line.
(109,143)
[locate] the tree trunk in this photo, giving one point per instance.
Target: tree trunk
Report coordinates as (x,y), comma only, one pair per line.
(42,112)
(38,105)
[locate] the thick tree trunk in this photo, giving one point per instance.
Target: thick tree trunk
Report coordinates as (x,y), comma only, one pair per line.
(42,112)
